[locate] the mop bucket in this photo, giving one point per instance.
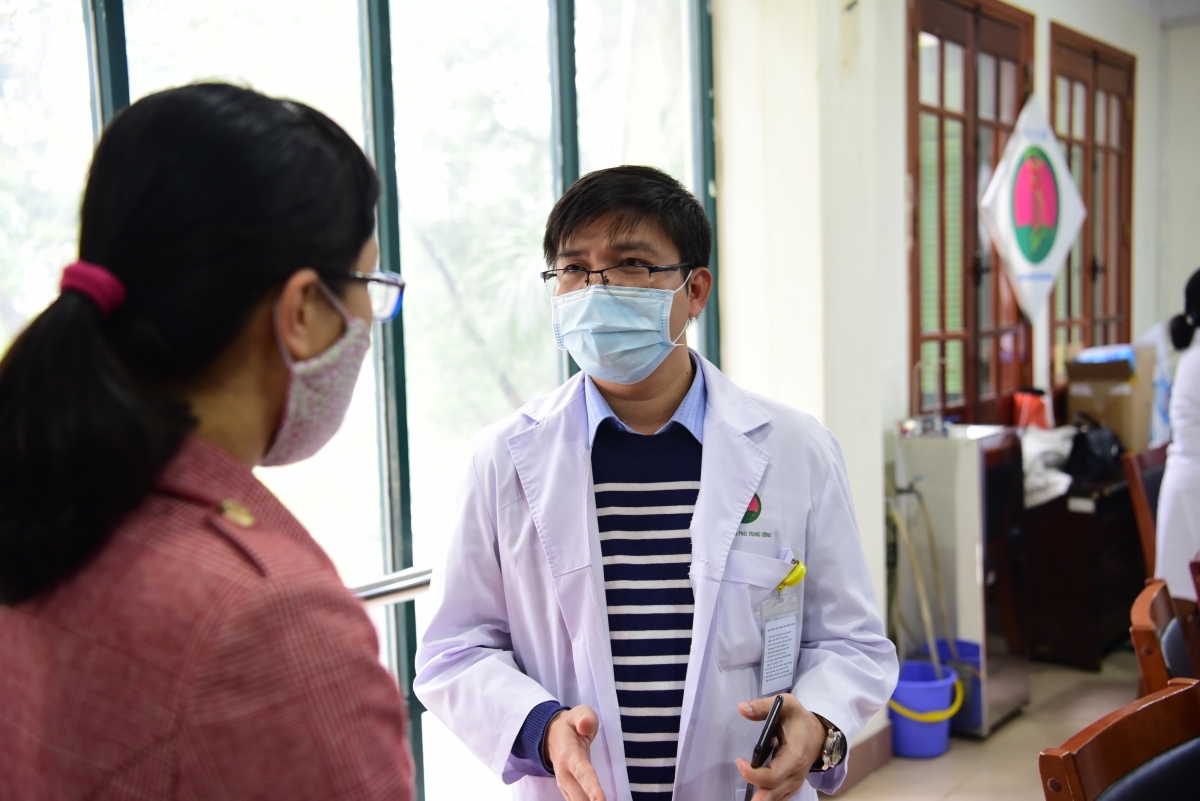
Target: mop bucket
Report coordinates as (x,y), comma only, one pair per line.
(967,666)
(921,709)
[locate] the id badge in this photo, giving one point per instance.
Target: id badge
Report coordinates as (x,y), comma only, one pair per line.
(779,615)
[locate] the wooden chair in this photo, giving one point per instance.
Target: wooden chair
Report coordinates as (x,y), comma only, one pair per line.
(1158,638)
(1144,472)
(1147,749)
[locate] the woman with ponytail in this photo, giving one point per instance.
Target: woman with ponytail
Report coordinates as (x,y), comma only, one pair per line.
(1178,522)
(167,628)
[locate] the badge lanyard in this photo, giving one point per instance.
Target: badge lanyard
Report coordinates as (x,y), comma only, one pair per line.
(779,615)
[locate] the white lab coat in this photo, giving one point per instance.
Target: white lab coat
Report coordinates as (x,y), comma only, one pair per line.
(523,616)
(1178,521)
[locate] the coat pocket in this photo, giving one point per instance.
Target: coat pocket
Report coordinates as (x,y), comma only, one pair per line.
(749,579)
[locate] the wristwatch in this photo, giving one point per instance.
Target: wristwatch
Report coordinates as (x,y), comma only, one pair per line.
(834,750)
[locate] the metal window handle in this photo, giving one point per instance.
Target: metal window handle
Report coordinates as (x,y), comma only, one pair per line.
(394,588)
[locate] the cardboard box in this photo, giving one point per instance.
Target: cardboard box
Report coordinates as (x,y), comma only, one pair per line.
(1117,394)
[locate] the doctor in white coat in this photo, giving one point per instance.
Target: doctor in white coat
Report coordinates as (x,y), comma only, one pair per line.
(1178,521)
(601,632)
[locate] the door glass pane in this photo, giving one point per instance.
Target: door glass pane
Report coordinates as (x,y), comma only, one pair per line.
(1077,248)
(1115,261)
(633,79)
(930,57)
(930,225)
(1114,121)
(308,50)
(1097,222)
(987,87)
(1008,91)
(1060,353)
(1061,295)
(1101,113)
(985,367)
(954,224)
(952,97)
(472,98)
(1062,105)
(1079,111)
(45,147)
(954,372)
(985,136)
(930,376)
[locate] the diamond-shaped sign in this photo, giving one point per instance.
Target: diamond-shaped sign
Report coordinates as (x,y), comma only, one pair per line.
(1032,209)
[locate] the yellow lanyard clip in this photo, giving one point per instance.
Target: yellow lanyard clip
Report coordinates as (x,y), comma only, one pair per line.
(794,577)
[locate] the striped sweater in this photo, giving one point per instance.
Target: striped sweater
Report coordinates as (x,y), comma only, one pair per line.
(646,489)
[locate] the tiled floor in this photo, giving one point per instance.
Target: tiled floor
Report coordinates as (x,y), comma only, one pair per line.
(1004,766)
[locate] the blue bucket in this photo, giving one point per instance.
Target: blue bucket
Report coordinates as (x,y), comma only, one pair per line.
(967,666)
(920,691)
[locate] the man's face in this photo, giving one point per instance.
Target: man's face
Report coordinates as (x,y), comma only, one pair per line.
(597,247)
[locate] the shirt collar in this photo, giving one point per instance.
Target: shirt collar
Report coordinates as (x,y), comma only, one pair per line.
(690,413)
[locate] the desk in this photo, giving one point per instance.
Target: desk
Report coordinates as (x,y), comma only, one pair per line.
(1084,563)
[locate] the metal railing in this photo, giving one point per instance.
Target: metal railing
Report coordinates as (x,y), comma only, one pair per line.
(395,588)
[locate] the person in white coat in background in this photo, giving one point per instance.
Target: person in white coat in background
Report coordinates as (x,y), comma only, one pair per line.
(626,549)
(1178,521)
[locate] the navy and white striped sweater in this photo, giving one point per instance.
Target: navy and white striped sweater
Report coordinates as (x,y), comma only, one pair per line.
(646,489)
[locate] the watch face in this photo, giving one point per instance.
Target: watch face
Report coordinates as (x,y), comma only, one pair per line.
(838,750)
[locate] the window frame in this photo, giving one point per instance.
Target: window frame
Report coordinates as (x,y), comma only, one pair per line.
(110,79)
(1080,58)
(969,23)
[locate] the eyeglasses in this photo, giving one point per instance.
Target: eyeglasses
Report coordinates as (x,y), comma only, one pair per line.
(386,290)
(630,273)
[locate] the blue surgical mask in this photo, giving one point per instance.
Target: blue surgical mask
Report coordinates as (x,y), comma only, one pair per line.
(616,333)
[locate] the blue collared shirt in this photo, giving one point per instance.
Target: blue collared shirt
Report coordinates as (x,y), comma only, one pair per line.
(690,413)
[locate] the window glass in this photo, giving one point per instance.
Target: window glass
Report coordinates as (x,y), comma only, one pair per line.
(952,94)
(930,70)
(308,50)
(954,372)
(930,205)
(953,155)
(1008,91)
(1062,105)
(633,79)
(987,87)
(1101,118)
(473,117)
(45,146)
(1114,121)
(1079,111)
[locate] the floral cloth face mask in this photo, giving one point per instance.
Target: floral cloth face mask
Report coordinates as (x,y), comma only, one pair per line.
(319,392)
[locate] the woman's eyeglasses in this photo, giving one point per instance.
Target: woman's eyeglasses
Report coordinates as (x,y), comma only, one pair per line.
(386,290)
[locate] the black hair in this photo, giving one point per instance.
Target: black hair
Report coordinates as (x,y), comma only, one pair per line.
(632,195)
(1183,326)
(202,201)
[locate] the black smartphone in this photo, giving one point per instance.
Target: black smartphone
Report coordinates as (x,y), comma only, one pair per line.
(764,749)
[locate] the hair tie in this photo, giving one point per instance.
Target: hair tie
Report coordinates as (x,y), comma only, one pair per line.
(98,284)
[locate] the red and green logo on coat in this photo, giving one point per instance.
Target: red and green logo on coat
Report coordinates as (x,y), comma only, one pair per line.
(753,510)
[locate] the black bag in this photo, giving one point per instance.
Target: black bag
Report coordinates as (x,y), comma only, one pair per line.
(1095,451)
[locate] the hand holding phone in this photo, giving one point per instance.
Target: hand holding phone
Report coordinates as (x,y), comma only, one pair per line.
(768,740)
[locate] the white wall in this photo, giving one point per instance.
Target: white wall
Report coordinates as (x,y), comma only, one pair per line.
(765,64)
(810,166)
(1180,250)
